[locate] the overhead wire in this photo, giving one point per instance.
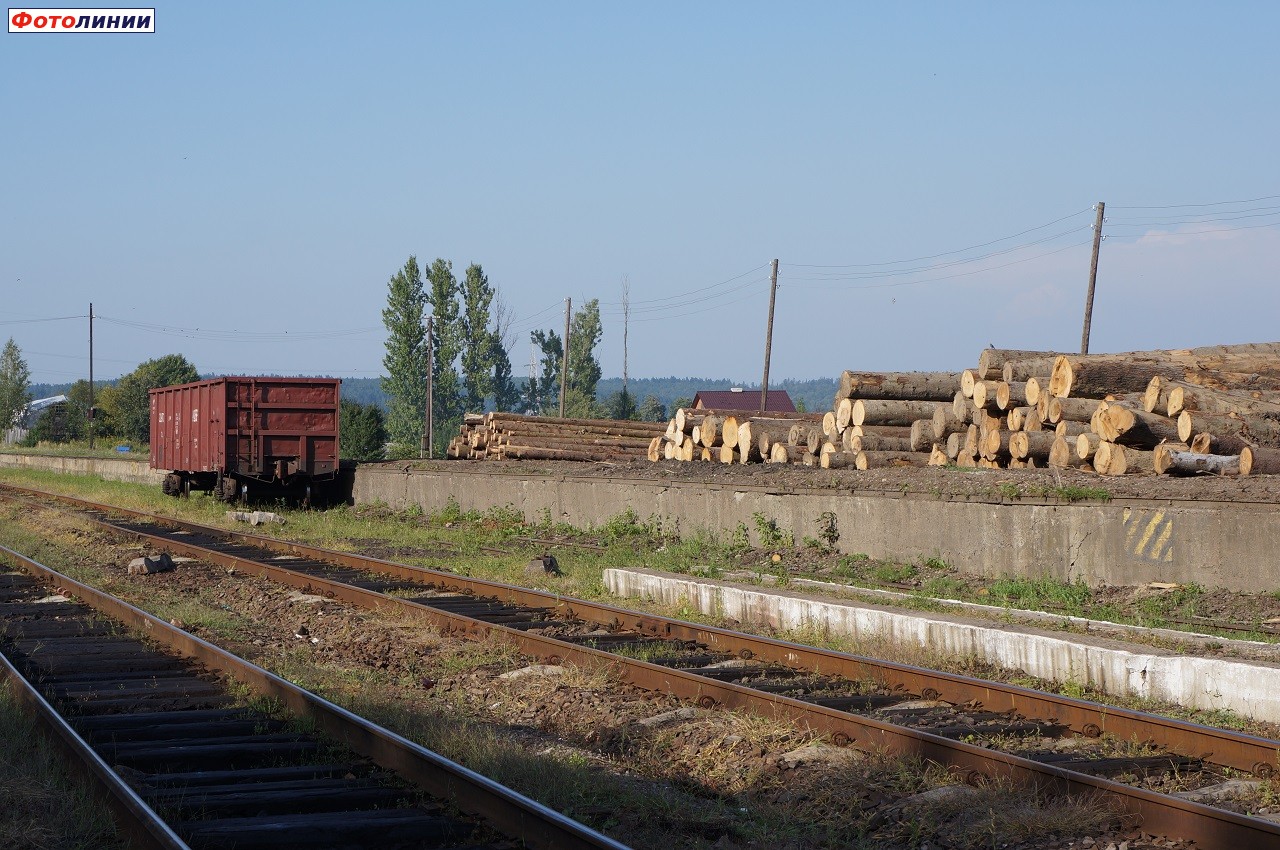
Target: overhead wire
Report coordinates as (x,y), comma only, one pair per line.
(945,253)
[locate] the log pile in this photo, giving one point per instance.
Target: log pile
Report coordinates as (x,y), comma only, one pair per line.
(510,436)
(1214,410)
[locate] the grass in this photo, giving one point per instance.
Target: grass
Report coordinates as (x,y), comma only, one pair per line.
(103,447)
(43,808)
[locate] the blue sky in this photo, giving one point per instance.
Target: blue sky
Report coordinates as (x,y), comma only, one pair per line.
(258,171)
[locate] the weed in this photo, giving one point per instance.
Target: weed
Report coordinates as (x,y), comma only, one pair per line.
(771,536)
(1080,494)
(828,530)
(936,564)
(1010,490)
(894,573)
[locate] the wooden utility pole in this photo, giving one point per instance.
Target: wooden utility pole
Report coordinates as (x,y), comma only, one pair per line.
(564,359)
(768,338)
(92,423)
(428,443)
(1093,278)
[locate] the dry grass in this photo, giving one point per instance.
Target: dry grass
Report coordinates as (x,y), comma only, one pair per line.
(40,807)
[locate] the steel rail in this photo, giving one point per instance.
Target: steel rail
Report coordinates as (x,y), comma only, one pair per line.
(1159,813)
(506,810)
(135,817)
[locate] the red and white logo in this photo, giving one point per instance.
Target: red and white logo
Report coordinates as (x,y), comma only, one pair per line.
(82,20)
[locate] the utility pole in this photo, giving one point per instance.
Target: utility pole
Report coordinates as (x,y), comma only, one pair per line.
(91,411)
(1093,278)
(564,360)
(768,337)
(428,446)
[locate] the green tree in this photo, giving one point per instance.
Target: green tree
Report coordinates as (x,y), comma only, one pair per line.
(584,368)
(446,343)
(15,385)
(683,401)
(544,390)
(477,340)
(505,394)
(128,403)
(652,410)
(76,422)
(620,405)
(406,358)
(362,433)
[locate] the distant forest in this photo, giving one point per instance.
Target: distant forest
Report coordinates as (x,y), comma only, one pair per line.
(815,394)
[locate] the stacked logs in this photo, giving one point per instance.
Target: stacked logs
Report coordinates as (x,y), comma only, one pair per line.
(1214,409)
(510,436)
(736,436)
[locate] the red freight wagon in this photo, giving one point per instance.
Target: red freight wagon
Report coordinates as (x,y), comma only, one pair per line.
(232,435)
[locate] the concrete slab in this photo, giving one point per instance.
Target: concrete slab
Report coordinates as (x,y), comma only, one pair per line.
(1249,688)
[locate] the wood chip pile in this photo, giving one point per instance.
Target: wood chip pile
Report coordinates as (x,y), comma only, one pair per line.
(510,436)
(1213,409)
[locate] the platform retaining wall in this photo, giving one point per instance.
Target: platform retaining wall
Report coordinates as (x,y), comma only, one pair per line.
(107,468)
(1123,541)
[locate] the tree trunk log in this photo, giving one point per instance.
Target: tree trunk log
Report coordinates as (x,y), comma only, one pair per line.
(1258,461)
(837,460)
(1011,394)
(1102,458)
(829,426)
(1183,396)
(967,379)
(1131,426)
(938,457)
(921,435)
(1097,376)
(954,443)
(1168,461)
(992,362)
(901,386)
(871,443)
(1225,444)
(1031,367)
(887,412)
(1036,387)
(1017,418)
(1070,428)
(946,423)
(1037,444)
(1086,444)
(879,460)
(1074,409)
(1062,454)
(1126,460)
(1256,429)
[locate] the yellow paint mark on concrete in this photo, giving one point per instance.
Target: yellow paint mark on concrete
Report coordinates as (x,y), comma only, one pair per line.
(1151,528)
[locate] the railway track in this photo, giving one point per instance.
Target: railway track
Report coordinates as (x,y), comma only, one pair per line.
(981,729)
(151,713)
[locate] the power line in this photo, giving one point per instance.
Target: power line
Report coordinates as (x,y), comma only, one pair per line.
(934,267)
(225,335)
(945,253)
(50,319)
(954,276)
(1213,204)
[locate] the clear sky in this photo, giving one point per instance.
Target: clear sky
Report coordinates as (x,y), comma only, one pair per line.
(258,171)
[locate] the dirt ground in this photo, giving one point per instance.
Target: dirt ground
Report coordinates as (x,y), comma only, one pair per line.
(995,484)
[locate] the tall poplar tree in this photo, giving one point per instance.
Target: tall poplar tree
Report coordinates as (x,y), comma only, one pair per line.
(446,341)
(584,368)
(406,359)
(477,340)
